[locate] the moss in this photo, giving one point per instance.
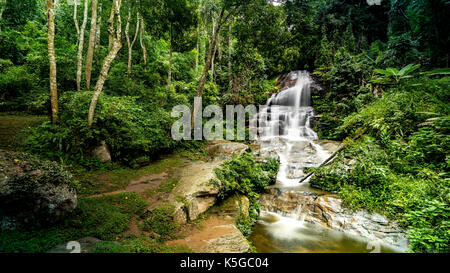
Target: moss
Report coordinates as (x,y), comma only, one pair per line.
(161,221)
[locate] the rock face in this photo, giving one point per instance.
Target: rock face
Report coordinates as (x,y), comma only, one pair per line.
(327,211)
(33,192)
(194,193)
(218,233)
(102,153)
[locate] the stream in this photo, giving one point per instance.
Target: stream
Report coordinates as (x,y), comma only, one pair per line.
(296,218)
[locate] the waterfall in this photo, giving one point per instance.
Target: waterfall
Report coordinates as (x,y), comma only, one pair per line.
(285,125)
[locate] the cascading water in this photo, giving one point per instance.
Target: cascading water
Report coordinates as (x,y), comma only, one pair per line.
(285,129)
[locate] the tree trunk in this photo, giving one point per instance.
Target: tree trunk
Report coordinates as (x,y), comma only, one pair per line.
(212,48)
(169,80)
(131,44)
(115,35)
(213,57)
(330,158)
(75,20)
(99,27)
(230,44)
(52,60)
(198,49)
(90,52)
(81,45)
(141,39)
(2,9)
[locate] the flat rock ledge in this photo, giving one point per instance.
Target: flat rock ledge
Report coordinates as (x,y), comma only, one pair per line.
(195,194)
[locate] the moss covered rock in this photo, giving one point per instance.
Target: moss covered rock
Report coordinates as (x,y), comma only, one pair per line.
(33,192)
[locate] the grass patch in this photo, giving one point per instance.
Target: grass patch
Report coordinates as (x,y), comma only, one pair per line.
(14,130)
(138,244)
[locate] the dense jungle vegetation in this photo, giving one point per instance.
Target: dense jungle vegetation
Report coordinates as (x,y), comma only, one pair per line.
(86,71)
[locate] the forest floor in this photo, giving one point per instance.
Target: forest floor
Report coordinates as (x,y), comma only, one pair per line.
(13,129)
(101,188)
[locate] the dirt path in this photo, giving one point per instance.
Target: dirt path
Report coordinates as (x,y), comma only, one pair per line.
(140,185)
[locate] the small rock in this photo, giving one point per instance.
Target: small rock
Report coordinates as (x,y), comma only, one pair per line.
(102,153)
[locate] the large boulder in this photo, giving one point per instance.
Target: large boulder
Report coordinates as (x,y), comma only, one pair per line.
(33,192)
(195,193)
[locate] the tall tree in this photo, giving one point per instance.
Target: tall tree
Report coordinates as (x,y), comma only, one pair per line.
(230,7)
(141,39)
(129,42)
(52,60)
(81,44)
(90,51)
(115,37)
(99,27)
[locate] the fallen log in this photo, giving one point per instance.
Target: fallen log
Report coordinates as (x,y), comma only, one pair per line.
(329,159)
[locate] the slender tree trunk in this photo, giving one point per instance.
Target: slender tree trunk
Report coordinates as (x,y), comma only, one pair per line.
(170,57)
(115,34)
(127,36)
(52,60)
(2,9)
(81,45)
(99,27)
(212,49)
(230,44)
(131,44)
(75,20)
(198,49)
(141,39)
(90,52)
(213,57)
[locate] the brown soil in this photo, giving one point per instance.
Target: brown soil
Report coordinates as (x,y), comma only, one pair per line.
(196,237)
(140,185)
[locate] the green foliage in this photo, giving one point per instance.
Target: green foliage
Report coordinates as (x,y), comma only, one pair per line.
(129,129)
(161,221)
(395,74)
(430,227)
(138,244)
(242,175)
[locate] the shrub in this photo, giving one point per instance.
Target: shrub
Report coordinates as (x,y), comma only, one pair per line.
(242,175)
(161,221)
(128,128)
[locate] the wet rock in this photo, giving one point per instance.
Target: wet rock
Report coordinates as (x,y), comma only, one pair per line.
(327,211)
(233,207)
(102,152)
(33,192)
